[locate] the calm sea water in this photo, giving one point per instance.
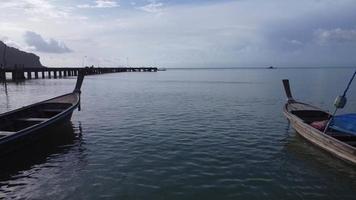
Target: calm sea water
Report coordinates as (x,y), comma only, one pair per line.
(180,134)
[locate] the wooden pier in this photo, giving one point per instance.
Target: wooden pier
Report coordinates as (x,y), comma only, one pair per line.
(20,73)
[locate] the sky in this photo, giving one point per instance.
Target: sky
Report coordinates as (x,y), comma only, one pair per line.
(183,33)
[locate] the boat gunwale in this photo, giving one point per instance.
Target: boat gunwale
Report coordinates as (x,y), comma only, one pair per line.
(34,104)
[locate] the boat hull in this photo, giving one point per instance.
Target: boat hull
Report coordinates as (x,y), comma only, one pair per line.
(37,131)
(27,124)
(31,136)
(335,147)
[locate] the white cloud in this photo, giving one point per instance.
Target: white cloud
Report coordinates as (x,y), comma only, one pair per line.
(11,43)
(223,33)
(35,7)
(40,44)
(337,35)
(152,7)
(101,4)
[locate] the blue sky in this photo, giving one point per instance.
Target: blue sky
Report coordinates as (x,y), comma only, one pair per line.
(230,33)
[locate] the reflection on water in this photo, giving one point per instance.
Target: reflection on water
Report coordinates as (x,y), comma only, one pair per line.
(6,95)
(61,140)
(5,88)
(302,150)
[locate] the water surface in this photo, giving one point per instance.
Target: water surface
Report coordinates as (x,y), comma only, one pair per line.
(180,134)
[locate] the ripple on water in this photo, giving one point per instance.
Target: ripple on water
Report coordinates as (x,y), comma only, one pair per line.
(177,135)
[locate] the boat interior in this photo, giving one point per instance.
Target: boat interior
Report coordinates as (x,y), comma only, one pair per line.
(316,116)
(309,116)
(16,121)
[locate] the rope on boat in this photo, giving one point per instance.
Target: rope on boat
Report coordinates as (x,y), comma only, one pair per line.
(348,85)
(340,102)
(79,105)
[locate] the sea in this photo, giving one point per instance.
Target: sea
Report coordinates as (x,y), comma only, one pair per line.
(180,134)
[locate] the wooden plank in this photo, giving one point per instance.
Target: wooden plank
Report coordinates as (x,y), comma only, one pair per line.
(52,110)
(6,133)
(33,119)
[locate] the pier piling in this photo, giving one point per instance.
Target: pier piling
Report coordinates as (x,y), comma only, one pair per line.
(29,75)
(2,74)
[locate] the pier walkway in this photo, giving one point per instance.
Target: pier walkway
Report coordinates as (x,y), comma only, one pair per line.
(19,74)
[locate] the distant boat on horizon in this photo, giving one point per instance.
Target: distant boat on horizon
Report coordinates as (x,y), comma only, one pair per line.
(271,67)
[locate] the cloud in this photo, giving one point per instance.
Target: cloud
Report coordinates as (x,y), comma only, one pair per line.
(152,7)
(35,7)
(335,36)
(47,46)
(186,33)
(101,4)
(12,43)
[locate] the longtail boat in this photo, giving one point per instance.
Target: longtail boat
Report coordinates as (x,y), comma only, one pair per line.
(321,127)
(26,124)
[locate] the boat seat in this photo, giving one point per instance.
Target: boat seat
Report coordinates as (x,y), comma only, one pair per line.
(33,119)
(6,133)
(52,110)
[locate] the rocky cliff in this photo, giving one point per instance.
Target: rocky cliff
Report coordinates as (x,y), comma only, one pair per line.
(17,57)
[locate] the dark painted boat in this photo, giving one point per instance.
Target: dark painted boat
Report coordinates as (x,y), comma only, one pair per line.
(305,119)
(27,124)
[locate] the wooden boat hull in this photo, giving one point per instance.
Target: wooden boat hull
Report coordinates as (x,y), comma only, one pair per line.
(324,141)
(301,115)
(32,136)
(35,132)
(24,125)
